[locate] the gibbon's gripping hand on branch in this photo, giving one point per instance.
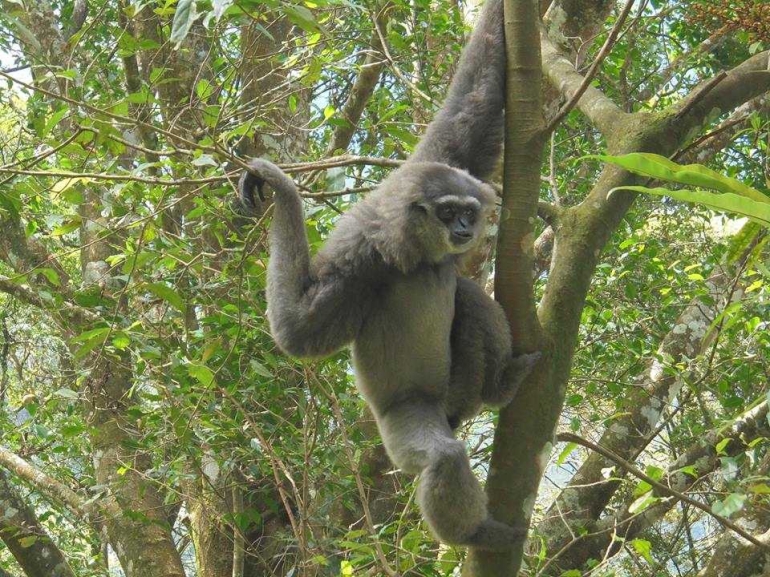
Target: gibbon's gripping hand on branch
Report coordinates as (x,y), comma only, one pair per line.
(428,348)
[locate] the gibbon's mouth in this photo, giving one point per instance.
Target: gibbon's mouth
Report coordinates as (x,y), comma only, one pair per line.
(459,238)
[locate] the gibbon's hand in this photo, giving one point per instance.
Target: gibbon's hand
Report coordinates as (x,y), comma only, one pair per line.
(252,183)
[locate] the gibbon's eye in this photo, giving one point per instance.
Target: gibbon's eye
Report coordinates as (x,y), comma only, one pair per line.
(470,215)
(445,213)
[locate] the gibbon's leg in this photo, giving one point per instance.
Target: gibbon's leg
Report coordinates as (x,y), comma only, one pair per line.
(418,439)
(308,316)
(467,132)
(484,369)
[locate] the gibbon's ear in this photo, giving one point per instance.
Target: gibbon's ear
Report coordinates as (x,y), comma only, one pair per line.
(420,207)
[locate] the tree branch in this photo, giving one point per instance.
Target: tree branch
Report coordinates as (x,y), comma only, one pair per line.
(362,89)
(66,310)
(723,93)
(589,76)
(572,438)
(561,74)
(49,486)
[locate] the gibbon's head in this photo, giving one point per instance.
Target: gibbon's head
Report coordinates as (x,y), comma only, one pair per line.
(449,209)
(423,212)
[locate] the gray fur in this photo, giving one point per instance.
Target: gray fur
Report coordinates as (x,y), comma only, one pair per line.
(428,347)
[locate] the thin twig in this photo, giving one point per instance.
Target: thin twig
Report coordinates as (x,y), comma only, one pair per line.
(572,438)
(700,93)
(605,50)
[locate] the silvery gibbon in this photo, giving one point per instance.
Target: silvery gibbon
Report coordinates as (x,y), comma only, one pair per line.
(428,347)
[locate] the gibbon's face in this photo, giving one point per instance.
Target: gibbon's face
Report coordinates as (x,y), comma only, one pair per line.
(460,216)
(449,208)
(450,224)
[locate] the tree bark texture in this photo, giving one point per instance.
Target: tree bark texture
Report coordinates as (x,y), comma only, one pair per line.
(25,537)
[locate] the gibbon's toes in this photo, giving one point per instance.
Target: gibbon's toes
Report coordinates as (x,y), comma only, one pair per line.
(529,360)
(493,535)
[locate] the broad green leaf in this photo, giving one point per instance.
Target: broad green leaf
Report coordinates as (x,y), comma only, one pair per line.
(168,294)
(662,168)
(202,373)
(184,16)
(260,369)
(721,445)
(54,120)
(302,17)
(67,227)
(28,541)
(66,394)
(758,211)
(642,503)
(90,339)
(643,548)
(732,504)
(566,452)
(51,275)
(121,341)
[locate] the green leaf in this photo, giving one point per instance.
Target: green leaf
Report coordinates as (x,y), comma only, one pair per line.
(732,504)
(28,541)
(758,211)
(566,452)
(54,120)
(302,17)
(662,168)
(202,373)
(121,341)
(260,369)
(204,89)
(67,227)
(643,548)
(51,275)
(720,446)
(642,503)
(168,294)
(66,394)
(184,16)
(90,339)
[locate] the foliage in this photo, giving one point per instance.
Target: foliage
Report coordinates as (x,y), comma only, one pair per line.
(734,196)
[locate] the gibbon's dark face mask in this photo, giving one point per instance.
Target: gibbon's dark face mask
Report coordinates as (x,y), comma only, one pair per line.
(460,219)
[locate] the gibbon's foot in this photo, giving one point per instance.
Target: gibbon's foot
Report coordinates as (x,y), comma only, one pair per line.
(515,372)
(493,535)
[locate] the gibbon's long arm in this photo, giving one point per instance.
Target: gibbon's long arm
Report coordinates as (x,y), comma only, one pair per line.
(467,132)
(308,316)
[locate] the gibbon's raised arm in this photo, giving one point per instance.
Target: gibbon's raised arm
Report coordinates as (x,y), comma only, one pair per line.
(467,132)
(309,315)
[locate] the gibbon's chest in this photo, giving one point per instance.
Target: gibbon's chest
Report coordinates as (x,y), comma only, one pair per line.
(403,345)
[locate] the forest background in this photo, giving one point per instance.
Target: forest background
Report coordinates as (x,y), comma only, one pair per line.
(150,428)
